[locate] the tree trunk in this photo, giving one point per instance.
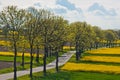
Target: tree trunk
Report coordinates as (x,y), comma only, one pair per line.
(77,52)
(47,49)
(15,55)
(61,47)
(70,46)
(37,55)
(50,50)
(80,52)
(31,59)
(23,59)
(109,44)
(57,69)
(96,45)
(44,59)
(90,46)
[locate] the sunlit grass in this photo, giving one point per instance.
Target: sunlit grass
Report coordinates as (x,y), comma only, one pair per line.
(70,75)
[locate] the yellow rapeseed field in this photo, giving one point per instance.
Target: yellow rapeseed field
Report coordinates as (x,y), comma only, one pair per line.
(68,47)
(91,67)
(118,41)
(18,54)
(102,59)
(4,43)
(105,51)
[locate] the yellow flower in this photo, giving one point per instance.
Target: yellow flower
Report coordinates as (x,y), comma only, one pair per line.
(0,30)
(91,67)
(102,59)
(5,43)
(105,51)
(13,32)
(68,47)
(18,54)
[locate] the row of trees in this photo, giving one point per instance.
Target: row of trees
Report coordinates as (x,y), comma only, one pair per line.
(84,36)
(33,28)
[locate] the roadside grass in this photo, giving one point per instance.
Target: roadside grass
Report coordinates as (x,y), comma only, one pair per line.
(70,75)
(79,75)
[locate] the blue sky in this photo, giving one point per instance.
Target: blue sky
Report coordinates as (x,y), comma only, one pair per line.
(103,13)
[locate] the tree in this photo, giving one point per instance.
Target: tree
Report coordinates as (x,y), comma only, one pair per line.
(12,18)
(90,37)
(69,35)
(32,30)
(58,35)
(46,28)
(23,45)
(110,36)
(99,36)
(38,45)
(118,34)
(79,32)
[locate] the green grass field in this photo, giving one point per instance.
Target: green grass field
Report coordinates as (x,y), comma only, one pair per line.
(77,75)
(71,75)
(19,59)
(11,58)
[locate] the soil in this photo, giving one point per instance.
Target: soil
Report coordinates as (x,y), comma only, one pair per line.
(4,64)
(2,48)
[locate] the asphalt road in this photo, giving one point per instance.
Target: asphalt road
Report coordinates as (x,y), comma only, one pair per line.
(62,60)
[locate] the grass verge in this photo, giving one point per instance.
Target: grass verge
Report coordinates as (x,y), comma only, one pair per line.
(71,75)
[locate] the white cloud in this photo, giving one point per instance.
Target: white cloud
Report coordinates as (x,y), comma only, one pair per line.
(77,14)
(100,10)
(74,16)
(19,3)
(105,21)
(84,4)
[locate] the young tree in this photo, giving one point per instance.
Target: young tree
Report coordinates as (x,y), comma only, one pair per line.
(99,36)
(32,30)
(12,18)
(79,31)
(58,35)
(23,45)
(110,36)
